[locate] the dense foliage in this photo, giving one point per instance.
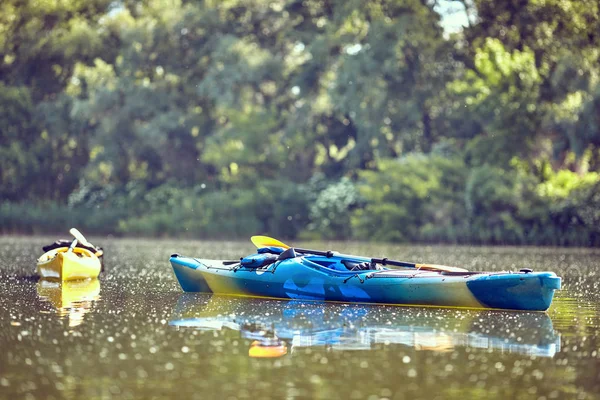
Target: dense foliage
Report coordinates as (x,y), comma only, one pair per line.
(312,118)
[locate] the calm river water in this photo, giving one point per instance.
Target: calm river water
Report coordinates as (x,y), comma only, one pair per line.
(134,334)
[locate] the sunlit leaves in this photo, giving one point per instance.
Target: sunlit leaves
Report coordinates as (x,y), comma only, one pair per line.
(238,65)
(250,141)
(560,184)
(501,94)
(563,38)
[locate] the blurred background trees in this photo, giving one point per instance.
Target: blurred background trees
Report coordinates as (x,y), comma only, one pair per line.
(313,118)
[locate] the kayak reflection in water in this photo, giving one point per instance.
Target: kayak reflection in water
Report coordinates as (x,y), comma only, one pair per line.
(71,299)
(300,324)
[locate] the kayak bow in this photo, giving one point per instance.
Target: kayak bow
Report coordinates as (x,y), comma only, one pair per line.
(64,265)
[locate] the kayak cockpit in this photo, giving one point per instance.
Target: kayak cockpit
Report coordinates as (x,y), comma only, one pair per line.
(340,264)
(270,255)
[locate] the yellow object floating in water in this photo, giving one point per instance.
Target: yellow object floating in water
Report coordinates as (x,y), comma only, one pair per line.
(64,265)
(267,350)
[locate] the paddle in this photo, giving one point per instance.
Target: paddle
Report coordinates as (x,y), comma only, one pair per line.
(79,236)
(72,246)
(265,241)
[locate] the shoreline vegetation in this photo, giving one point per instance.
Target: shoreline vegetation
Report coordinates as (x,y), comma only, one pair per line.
(306,120)
(342,210)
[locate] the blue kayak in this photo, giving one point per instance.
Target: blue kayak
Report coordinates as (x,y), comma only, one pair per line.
(284,274)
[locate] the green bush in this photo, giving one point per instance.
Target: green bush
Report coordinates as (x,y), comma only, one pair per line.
(414,198)
(32,218)
(491,201)
(437,199)
(275,207)
(331,203)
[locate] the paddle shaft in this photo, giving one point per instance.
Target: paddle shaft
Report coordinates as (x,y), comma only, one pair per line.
(72,246)
(382,261)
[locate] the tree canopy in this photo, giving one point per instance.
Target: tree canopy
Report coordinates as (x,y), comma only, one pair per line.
(319,118)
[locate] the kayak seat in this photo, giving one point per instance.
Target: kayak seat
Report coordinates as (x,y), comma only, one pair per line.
(67,243)
(335,265)
(341,265)
(289,253)
(362,266)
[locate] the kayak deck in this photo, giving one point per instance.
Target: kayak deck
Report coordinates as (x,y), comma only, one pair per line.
(318,278)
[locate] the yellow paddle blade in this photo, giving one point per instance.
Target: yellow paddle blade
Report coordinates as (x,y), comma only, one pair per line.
(265,241)
(434,267)
(80,238)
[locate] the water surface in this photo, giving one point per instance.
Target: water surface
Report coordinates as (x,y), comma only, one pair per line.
(134,334)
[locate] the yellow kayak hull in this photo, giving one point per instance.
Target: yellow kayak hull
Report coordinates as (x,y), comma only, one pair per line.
(63,265)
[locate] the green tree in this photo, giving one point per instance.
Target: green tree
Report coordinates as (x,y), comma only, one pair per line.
(563,40)
(40,44)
